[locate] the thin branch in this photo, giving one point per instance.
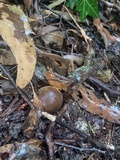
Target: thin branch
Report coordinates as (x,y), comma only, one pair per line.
(111,5)
(96,143)
(25,98)
(104,86)
(80,149)
(49,140)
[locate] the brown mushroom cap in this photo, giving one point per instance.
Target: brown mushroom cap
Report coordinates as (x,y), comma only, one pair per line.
(51,98)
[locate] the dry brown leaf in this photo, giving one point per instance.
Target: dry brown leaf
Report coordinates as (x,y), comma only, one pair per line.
(114,25)
(36,100)
(30,122)
(107,37)
(15,30)
(56,62)
(57,81)
(55,37)
(92,104)
(51,34)
(46,29)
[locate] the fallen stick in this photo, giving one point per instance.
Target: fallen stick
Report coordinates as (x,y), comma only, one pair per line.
(25,98)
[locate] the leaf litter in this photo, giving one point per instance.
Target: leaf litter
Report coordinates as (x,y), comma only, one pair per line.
(68,55)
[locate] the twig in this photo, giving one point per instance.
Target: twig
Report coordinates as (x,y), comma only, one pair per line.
(86,38)
(81,134)
(9,109)
(49,140)
(36,7)
(74,130)
(58,15)
(80,149)
(100,145)
(66,141)
(104,86)
(110,5)
(26,99)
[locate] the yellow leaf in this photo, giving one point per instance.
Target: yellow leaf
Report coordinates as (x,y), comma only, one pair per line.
(15,30)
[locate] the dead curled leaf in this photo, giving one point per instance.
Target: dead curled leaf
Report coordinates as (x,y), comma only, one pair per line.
(56,62)
(51,34)
(107,37)
(92,104)
(31,122)
(57,81)
(15,30)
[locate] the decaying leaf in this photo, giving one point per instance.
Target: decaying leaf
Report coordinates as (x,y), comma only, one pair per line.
(105,76)
(46,29)
(6,57)
(51,34)
(57,81)
(31,122)
(40,71)
(36,101)
(107,37)
(56,62)
(92,104)
(29,150)
(15,30)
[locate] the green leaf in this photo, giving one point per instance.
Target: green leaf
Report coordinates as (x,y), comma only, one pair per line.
(84,7)
(88,7)
(72,3)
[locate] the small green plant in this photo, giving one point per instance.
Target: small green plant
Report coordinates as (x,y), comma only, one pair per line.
(84,7)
